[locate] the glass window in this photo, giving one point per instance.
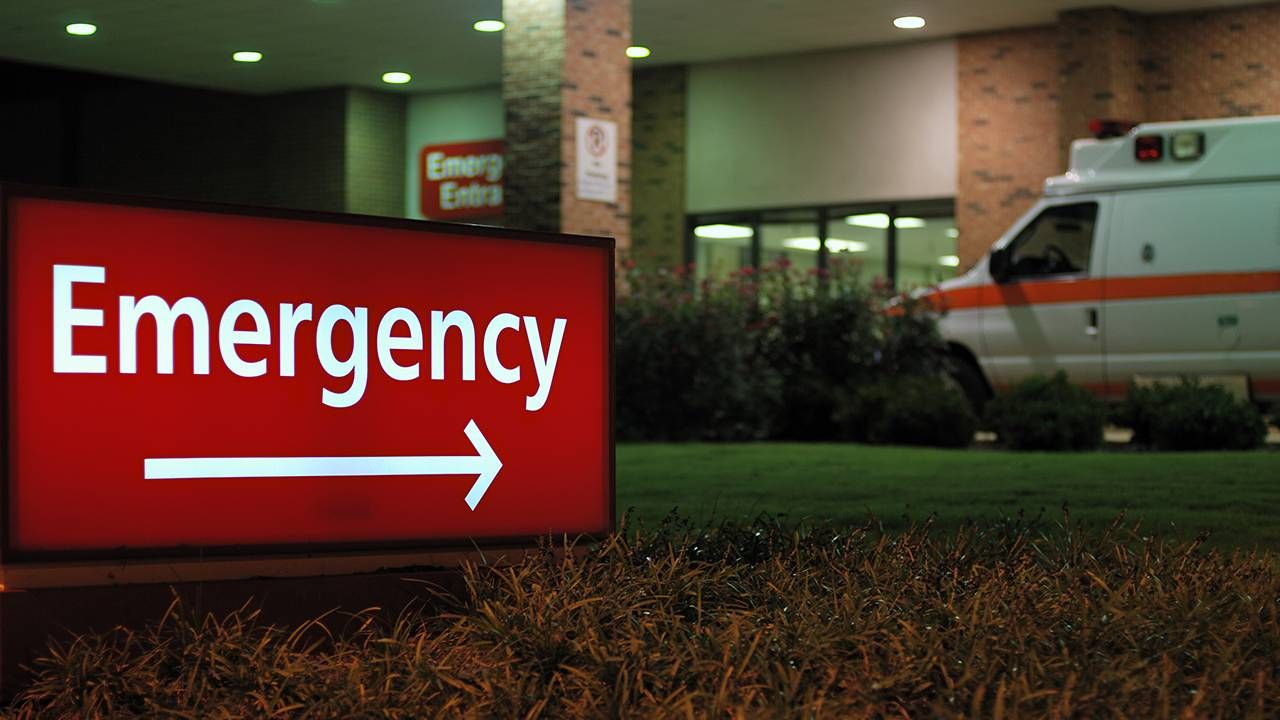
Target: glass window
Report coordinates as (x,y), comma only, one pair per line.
(860,236)
(1058,242)
(911,243)
(926,250)
(790,235)
(721,248)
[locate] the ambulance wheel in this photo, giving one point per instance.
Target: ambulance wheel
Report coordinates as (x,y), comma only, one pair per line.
(965,373)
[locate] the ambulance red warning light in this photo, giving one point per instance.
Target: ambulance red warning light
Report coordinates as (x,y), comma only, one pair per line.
(189,379)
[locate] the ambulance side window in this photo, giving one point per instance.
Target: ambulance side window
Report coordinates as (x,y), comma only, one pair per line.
(1058,242)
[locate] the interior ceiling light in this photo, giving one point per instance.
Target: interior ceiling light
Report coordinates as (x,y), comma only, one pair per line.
(833,244)
(489,26)
(953,233)
(802,243)
(949,260)
(247,56)
(396,78)
(82,29)
(909,22)
(722,232)
(636,52)
(880,221)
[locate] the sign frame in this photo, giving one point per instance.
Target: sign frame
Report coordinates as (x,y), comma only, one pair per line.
(11,556)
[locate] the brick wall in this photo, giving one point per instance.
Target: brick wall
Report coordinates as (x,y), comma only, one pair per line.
(174,142)
(658,124)
(532,53)
(1212,64)
(375,148)
(1098,71)
(304,165)
(1008,115)
(564,59)
(596,84)
(336,149)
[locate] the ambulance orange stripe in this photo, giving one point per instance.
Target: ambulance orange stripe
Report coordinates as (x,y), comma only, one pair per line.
(1118,288)
(1185,285)
(1263,386)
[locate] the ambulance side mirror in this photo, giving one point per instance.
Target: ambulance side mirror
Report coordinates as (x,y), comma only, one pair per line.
(998,264)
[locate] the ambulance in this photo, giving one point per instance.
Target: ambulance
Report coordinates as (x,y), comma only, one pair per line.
(1156,256)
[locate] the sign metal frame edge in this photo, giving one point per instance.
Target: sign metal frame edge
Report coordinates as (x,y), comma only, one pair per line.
(10,556)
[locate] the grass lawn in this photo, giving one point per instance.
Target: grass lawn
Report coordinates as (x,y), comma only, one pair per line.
(1235,495)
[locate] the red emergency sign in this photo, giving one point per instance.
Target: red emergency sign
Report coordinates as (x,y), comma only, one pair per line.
(461,180)
(187,379)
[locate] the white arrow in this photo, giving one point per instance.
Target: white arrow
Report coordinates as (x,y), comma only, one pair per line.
(485,464)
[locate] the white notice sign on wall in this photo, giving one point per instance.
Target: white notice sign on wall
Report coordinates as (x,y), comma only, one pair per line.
(597,160)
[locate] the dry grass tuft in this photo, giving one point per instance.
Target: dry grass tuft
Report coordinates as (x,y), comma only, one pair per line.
(763,620)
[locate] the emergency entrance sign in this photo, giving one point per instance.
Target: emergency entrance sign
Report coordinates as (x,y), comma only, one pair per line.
(184,379)
(461,180)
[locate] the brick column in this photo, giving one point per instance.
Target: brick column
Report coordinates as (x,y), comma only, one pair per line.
(564,59)
(658,166)
(1099,52)
(1008,131)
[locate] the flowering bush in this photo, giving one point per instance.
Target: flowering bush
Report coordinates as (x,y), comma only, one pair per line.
(759,354)
(686,362)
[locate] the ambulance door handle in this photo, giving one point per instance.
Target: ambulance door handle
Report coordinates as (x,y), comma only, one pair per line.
(1091,317)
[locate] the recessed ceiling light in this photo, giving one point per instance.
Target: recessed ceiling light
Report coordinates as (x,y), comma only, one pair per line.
(489,26)
(396,78)
(82,29)
(247,56)
(949,260)
(638,51)
(909,22)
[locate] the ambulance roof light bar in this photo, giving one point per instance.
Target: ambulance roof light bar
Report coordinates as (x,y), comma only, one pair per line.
(1102,128)
(1148,148)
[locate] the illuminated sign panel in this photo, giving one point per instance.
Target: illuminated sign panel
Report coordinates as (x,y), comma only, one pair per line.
(179,378)
(461,180)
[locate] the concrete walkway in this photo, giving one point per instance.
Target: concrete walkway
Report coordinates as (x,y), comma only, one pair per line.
(1121,436)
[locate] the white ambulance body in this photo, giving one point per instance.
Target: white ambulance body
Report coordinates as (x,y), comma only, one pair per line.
(1156,255)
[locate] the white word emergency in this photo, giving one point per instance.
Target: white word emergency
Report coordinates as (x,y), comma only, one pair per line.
(398,332)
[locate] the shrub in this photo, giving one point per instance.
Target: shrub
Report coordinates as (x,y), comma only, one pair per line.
(817,333)
(1190,416)
(1047,413)
(907,410)
(758,355)
(1015,619)
(687,366)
